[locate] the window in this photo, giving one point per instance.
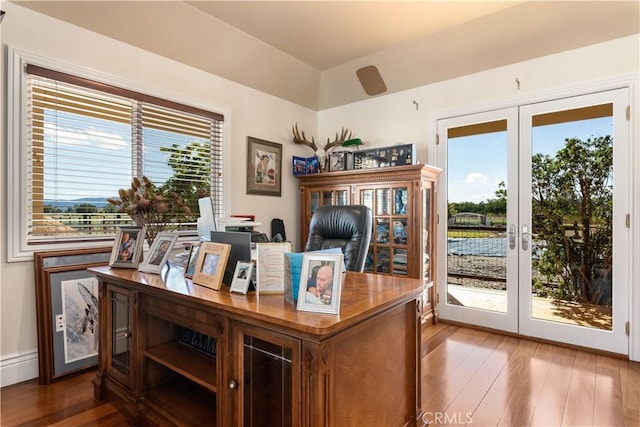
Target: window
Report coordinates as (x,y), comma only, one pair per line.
(82,140)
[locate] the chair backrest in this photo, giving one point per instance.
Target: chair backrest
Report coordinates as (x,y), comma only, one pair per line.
(345,227)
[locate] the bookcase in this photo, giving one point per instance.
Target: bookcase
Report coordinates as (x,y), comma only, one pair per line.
(402,200)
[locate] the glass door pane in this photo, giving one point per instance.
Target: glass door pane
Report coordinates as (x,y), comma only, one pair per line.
(476,227)
(121,331)
(480,267)
(574,177)
(267,383)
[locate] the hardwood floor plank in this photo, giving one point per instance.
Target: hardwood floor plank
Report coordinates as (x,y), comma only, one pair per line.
(549,408)
(578,410)
(524,394)
(608,409)
(87,417)
(66,402)
(630,390)
(446,362)
(496,403)
(476,388)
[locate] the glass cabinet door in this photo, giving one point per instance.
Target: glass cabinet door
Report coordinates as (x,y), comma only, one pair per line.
(269,378)
(391,228)
(119,340)
(426,238)
(333,197)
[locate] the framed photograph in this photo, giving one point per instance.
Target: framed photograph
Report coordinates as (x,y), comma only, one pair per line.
(320,283)
(270,266)
(264,167)
(242,277)
(159,253)
(67,310)
(299,165)
(313,165)
(192,260)
(127,247)
(212,260)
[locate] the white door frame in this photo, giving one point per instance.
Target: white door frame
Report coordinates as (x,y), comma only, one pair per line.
(615,340)
(486,318)
(631,82)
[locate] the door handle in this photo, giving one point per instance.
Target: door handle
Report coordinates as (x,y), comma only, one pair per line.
(512,236)
(525,237)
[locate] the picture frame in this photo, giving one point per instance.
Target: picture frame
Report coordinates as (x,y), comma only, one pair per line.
(299,165)
(264,167)
(212,260)
(242,277)
(159,253)
(192,260)
(321,283)
(67,313)
(270,267)
(127,246)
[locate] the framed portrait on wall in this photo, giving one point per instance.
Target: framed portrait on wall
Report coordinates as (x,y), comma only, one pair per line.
(264,167)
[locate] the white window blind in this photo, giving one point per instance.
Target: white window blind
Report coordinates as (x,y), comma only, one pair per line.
(86,140)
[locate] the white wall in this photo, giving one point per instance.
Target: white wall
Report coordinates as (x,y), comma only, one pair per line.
(386,120)
(247,113)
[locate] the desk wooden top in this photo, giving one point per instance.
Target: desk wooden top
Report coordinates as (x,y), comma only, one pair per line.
(363,295)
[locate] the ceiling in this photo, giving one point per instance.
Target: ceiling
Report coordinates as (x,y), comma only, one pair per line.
(308,52)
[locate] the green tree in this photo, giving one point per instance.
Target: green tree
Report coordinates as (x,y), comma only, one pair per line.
(498,206)
(191,177)
(85,208)
(572,198)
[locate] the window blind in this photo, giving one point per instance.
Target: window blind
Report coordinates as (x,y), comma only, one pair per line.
(87,139)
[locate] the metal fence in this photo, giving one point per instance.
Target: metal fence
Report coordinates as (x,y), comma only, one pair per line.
(476,255)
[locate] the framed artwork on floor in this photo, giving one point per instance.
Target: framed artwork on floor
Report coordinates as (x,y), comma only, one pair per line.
(67,310)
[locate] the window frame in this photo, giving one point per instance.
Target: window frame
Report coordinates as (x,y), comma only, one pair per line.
(19,248)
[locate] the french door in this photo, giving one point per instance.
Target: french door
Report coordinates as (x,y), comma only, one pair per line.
(536,236)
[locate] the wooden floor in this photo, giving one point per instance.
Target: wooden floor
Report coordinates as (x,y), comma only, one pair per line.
(469,377)
(480,378)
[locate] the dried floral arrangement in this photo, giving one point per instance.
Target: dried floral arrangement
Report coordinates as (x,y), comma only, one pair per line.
(148,205)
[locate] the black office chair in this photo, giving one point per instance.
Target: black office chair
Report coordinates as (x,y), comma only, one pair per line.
(345,227)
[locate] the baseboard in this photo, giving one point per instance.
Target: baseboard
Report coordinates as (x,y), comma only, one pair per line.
(16,368)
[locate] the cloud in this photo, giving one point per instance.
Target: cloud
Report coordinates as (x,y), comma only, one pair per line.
(476,178)
(92,138)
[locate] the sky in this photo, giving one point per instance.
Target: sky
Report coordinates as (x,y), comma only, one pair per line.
(477,164)
(94,148)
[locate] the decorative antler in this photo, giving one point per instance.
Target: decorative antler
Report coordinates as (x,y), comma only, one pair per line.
(339,140)
(300,138)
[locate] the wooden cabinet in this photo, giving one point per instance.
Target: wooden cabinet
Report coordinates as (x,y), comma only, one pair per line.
(272,365)
(402,201)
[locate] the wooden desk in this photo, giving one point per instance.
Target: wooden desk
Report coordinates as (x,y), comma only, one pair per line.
(273,365)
